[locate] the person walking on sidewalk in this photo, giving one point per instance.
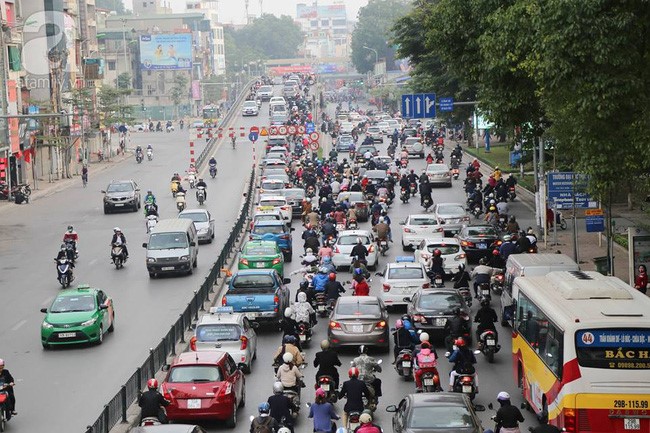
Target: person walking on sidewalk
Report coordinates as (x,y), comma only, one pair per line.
(641,280)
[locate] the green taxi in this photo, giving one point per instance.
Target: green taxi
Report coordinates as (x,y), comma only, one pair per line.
(262,255)
(80,315)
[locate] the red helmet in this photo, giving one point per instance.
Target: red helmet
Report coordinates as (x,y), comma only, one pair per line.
(152,384)
(459,342)
(332,276)
(495,252)
(437,252)
(353,372)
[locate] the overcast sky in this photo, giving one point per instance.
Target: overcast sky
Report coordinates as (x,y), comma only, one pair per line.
(233,11)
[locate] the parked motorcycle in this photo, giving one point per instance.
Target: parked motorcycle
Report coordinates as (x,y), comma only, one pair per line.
(200,195)
(118,256)
(64,272)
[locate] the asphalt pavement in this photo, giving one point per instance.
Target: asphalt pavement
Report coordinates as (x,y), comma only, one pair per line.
(65,389)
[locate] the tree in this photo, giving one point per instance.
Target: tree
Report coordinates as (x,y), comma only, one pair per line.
(179,90)
(213,88)
(111,107)
(373,30)
(277,38)
(123,81)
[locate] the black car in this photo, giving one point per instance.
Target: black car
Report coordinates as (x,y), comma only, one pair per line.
(430,309)
(376,176)
(294,197)
(477,240)
(435,412)
(362,151)
(121,195)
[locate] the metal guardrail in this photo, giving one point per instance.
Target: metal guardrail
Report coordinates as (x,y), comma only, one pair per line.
(115,410)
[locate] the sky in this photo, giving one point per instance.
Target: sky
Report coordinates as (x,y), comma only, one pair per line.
(233,11)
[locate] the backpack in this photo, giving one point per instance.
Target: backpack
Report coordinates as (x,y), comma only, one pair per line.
(262,425)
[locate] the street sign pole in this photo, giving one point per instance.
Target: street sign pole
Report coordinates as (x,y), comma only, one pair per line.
(575,223)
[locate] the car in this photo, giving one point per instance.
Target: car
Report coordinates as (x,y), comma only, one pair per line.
(375,133)
(280,154)
(121,194)
(259,293)
(357,320)
(417,227)
(383,159)
(276,141)
(278,175)
(261,255)
(197,124)
(169,428)
(346,127)
(271,186)
(277,100)
(435,412)
(414,146)
(393,124)
(265,93)
(267,216)
(138,127)
(290,91)
(451,216)
(410,132)
(384,127)
(223,329)
(439,174)
(276,231)
(79,315)
(273,163)
(250,108)
(361,151)
(204,385)
(275,203)
(343,142)
(359,201)
(376,176)
(203,222)
(476,240)
(450,250)
(346,240)
(430,309)
(401,279)
(294,197)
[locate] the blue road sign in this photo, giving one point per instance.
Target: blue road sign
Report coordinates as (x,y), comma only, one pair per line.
(428,105)
(309,127)
(407,106)
(561,190)
(446,104)
(419,106)
(253,136)
(595,223)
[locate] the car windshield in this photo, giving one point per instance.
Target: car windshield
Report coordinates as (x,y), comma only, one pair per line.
(252,284)
(358,309)
(422,221)
(294,193)
(352,240)
(218,332)
(250,104)
(278,108)
(451,209)
(276,155)
(273,171)
(197,217)
(265,89)
(267,217)
(194,374)
(374,129)
(412,140)
(481,231)
(277,141)
(264,229)
(69,304)
(440,417)
(444,248)
(432,168)
(272,203)
(353,196)
(259,250)
(120,187)
(272,185)
(345,139)
(405,273)
(167,241)
(376,174)
(439,301)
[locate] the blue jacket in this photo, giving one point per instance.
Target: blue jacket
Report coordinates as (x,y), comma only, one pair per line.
(319,282)
(323,415)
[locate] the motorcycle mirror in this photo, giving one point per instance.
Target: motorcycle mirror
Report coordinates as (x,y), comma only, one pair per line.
(43,310)
(380,361)
(144,245)
(490,406)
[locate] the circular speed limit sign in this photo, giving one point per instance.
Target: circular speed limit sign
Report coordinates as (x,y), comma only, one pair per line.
(313,145)
(314,136)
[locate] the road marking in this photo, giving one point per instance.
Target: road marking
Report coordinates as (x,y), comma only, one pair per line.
(18,325)
(47,301)
(92,262)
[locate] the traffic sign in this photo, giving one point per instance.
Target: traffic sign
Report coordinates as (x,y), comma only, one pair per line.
(301,129)
(313,145)
(264,132)
(255,129)
(314,136)
(446,104)
(419,106)
(309,127)
(273,130)
(292,130)
(282,130)
(595,223)
(566,187)
(253,136)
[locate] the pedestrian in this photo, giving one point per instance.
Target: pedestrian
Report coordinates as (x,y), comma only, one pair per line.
(641,280)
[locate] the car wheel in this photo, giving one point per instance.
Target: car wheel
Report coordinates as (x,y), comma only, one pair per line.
(101,335)
(135,207)
(112,327)
(255,354)
(406,247)
(46,346)
(288,257)
(106,212)
(247,370)
(152,275)
(242,403)
(196,262)
(232,421)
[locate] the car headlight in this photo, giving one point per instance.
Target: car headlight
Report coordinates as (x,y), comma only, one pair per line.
(47,325)
(184,258)
(203,230)
(151,260)
(89,322)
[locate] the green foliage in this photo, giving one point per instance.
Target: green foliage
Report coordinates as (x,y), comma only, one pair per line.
(374,30)
(212,88)
(111,105)
(180,89)
(123,81)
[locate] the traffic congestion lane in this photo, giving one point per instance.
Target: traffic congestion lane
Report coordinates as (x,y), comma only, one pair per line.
(85,378)
(494,377)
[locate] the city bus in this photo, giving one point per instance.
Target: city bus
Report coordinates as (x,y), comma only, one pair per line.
(581,351)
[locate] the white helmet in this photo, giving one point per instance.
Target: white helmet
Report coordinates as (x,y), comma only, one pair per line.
(116,229)
(284,430)
(309,251)
(381,220)
(287,358)
(503,396)
(424,337)
(288,312)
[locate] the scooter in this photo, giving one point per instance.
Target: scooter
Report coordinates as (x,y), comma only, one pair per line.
(213,171)
(5,415)
(383,246)
(326,383)
(150,154)
(496,283)
(511,193)
(431,380)
(489,344)
(174,187)
(200,195)
(465,385)
(466,294)
(404,364)
(352,225)
(64,272)
(152,220)
(413,188)
(117,255)
(180,201)
(320,304)
(191,178)
(138,157)
(404,196)
(304,333)
(484,292)
(427,204)
(71,249)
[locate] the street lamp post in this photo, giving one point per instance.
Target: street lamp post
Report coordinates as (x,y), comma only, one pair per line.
(376,55)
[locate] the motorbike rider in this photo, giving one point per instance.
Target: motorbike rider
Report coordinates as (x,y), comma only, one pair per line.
(333,288)
(425,192)
(402,339)
(367,366)
(486,317)
(289,374)
(461,278)
(264,423)
(151,403)
(201,183)
(9,382)
(463,359)
(366,425)
(382,229)
(311,241)
(326,361)
(482,274)
(322,411)
(502,208)
(64,254)
(496,261)
(290,326)
(509,246)
(508,416)
(303,311)
(328,229)
(281,406)
(138,151)
(71,236)
(212,162)
(321,278)
(360,286)
(354,389)
(150,206)
(455,327)
(328,265)
(435,264)
(513,225)
(523,243)
(290,344)
(120,240)
(176,178)
(359,251)
(426,359)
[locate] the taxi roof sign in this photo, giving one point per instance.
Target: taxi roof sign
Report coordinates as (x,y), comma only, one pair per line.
(404,259)
(219,310)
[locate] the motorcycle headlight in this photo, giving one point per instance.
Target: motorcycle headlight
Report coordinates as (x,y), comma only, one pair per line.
(151,260)
(89,322)
(47,325)
(184,258)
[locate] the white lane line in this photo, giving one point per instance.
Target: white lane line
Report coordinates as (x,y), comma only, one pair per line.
(92,262)
(47,301)
(18,325)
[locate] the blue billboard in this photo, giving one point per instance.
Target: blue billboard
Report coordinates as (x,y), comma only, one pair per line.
(166,51)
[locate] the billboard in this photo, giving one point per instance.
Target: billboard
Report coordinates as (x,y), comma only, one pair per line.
(166,51)
(304,11)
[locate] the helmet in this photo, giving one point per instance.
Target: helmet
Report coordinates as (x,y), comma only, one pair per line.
(530,231)
(495,252)
(512,218)
(288,312)
(405,317)
(359,240)
(278,388)
(152,384)
(200,179)
(287,358)
(70,229)
(309,251)
(437,252)
(503,396)
(116,230)
(63,247)
(2,362)
(485,303)
(323,270)
(425,345)
(496,168)
(381,219)
(365,418)
(325,344)
(507,238)
(363,349)
(424,337)
(353,372)
(264,407)
(399,323)
(492,209)
(148,192)
(483,261)
(332,276)
(459,342)
(320,392)
(284,430)
(323,200)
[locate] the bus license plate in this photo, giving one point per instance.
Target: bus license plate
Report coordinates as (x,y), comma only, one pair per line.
(428,382)
(325,386)
(194,403)
(631,424)
(406,363)
(467,389)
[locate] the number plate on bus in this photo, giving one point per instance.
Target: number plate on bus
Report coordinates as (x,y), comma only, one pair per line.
(631,424)
(467,389)
(194,403)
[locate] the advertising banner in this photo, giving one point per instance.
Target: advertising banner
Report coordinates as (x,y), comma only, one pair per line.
(166,51)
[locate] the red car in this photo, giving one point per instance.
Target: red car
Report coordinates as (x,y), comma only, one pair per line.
(204,385)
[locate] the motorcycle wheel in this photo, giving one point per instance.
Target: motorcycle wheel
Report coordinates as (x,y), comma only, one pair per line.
(489,354)
(563,224)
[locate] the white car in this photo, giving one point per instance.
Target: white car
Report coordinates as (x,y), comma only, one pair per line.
(346,128)
(414,146)
(346,241)
(392,125)
(250,108)
(203,222)
(417,227)
(451,216)
(451,252)
(271,186)
(375,133)
(273,203)
(384,127)
(265,93)
(401,279)
(138,127)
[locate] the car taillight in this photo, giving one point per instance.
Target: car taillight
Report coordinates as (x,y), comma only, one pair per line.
(467,244)
(569,419)
(284,207)
(276,300)
(440,229)
(499,277)
(193,344)
(243,262)
(275,261)
(244,342)
(408,230)
(419,318)
(386,287)
(335,325)
(224,301)
(167,394)
(460,257)
(337,251)
(426,285)
(381,324)
(371,248)
(465,218)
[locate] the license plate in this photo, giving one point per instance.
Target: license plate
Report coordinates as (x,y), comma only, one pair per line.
(119,204)
(357,329)
(194,403)
(482,246)
(325,386)
(251,315)
(406,363)
(631,423)
(491,343)
(467,389)
(441,321)
(303,337)
(167,268)
(485,292)
(259,265)
(321,308)
(67,334)
(428,382)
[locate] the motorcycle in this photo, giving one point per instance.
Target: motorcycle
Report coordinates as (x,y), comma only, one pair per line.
(353,420)
(304,333)
(489,344)
(191,178)
(180,201)
(431,380)
(466,294)
(152,220)
(320,304)
(413,188)
(496,283)
(427,204)
(511,193)
(404,196)
(326,383)
(476,211)
(71,249)
(370,403)
(138,157)
(200,195)
(150,154)
(352,225)
(484,292)
(174,187)
(383,246)
(437,281)
(404,364)
(118,256)
(4,410)
(455,173)
(213,171)
(150,420)
(64,272)
(465,385)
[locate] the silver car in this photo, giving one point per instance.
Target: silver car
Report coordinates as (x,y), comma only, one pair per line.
(451,216)
(203,222)
(439,174)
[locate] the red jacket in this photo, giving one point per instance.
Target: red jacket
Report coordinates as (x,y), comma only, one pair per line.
(362,288)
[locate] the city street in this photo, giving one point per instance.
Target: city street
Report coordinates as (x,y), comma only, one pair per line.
(64,389)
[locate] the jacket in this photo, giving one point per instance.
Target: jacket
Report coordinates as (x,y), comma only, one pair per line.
(319,281)
(289,375)
(150,402)
(322,414)
(326,361)
(367,428)
(508,416)
(354,389)
(367,366)
(281,406)
(302,309)
(362,288)
(360,251)
(333,289)
(289,348)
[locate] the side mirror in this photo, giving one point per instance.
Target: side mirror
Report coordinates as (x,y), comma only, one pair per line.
(490,406)
(165,367)
(103,307)
(379,274)
(380,361)
(192,244)
(392,408)
(254,325)
(137,190)
(43,310)
(292,229)
(286,280)
(103,191)
(407,299)
(144,245)
(193,326)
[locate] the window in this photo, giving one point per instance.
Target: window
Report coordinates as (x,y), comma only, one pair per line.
(324,23)
(111,65)
(14,58)
(313,23)
(339,22)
